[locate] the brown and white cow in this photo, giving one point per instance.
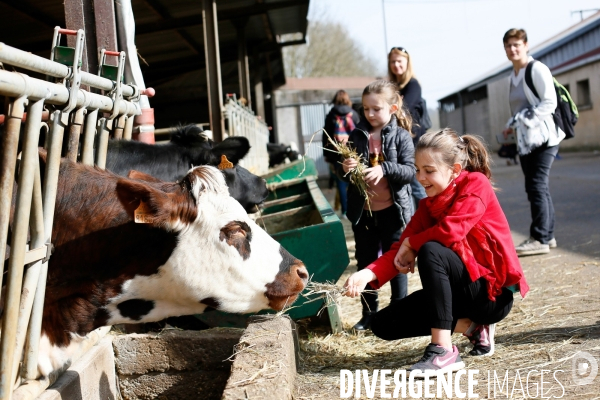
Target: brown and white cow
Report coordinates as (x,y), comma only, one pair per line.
(198,249)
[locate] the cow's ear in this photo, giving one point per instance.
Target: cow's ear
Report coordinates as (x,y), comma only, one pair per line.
(153,205)
(133,174)
(234,148)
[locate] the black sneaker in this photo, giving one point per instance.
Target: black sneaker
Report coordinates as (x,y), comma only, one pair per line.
(436,361)
(482,338)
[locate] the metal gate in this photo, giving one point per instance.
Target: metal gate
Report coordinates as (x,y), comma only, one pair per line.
(312,119)
(71,112)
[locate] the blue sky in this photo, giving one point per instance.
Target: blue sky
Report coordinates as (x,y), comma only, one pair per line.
(451,42)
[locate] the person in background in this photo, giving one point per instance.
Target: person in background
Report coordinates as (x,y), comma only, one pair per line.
(400,71)
(339,122)
(467,260)
(383,140)
(535,165)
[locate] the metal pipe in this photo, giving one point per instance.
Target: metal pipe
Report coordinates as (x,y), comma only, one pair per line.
(31,62)
(10,142)
(89,133)
(128,132)
(18,247)
(59,122)
(32,274)
(119,127)
(15,85)
(74,133)
(103,134)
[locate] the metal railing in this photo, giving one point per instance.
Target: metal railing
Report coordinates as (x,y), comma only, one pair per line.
(241,121)
(72,111)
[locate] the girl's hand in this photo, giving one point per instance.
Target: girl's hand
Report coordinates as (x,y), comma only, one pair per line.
(357,282)
(405,258)
(349,164)
(507,132)
(374,174)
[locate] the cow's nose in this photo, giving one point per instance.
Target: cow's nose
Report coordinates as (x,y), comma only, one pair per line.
(302,272)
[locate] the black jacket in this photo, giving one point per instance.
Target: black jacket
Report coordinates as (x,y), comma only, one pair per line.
(411,101)
(399,167)
(339,110)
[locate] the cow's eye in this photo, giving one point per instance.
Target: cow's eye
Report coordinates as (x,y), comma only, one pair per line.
(238,235)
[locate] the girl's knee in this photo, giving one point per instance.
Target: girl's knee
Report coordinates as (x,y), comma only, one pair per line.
(381,328)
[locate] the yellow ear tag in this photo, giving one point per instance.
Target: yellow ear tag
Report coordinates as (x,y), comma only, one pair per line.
(143,214)
(225,163)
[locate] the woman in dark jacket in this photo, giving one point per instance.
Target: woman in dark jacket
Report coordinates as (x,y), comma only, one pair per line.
(400,71)
(339,122)
(382,139)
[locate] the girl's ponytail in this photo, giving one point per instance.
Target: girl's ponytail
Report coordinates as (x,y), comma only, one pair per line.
(477,158)
(467,150)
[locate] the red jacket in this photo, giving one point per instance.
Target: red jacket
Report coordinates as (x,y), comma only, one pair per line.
(472,224)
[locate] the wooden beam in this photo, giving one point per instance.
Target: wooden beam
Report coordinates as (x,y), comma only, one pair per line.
(79,14)
(106,29)
(224,15)
(213,68)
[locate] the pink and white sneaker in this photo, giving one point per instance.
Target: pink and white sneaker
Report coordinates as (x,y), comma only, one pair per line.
(437,360)
(482,338)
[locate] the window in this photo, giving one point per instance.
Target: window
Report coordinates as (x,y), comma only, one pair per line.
(568,87)
(584,101)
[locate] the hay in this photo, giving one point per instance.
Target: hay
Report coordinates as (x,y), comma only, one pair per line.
(358,172)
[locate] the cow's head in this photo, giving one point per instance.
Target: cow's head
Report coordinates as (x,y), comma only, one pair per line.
(222,259)
(249,189)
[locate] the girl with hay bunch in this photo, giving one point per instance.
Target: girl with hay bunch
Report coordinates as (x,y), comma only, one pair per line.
(383,139)
(467,259)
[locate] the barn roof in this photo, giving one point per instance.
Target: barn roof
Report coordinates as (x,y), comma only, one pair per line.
(169,37)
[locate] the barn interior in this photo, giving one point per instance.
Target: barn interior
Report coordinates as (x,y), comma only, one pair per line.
(181,45)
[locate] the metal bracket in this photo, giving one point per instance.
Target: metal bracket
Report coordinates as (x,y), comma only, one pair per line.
(41,253)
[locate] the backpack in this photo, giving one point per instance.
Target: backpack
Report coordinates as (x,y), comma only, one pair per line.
(343,126)
(565,115)
(425,120)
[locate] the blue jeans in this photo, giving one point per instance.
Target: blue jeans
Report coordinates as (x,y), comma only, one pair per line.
(418,192)
(536,167)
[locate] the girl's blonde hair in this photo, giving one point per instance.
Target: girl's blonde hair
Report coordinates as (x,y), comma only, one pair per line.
(389,92)
(407,75)
(468,150)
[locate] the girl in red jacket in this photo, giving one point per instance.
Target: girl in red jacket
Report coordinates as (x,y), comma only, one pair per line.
(467,259)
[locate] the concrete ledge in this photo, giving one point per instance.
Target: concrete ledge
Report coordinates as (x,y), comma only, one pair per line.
(92,377)
(175,364)
(265,363)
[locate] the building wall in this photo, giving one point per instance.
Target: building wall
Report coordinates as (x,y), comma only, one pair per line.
(499,109)
(477,119)
(587,132)
(452,120)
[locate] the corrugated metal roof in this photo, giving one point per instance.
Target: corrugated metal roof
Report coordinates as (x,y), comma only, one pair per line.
(571,48)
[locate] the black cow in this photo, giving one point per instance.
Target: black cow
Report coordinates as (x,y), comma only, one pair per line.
(279,152)
(188,148)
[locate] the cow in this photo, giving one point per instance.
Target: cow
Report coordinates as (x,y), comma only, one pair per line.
(189,147)
(281,153)
(137,249)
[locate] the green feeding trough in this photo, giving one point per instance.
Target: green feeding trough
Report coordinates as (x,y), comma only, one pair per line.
(298,216)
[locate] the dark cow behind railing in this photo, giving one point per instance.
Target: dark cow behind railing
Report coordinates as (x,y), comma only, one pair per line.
(195,247)
(280,153)
(188,147)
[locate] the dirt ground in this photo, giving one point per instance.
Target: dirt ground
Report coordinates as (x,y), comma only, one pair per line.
(559,318)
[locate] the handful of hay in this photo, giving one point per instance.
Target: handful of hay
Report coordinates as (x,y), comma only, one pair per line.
(357,173)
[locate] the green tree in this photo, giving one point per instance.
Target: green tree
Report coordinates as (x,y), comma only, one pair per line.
(329,51)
